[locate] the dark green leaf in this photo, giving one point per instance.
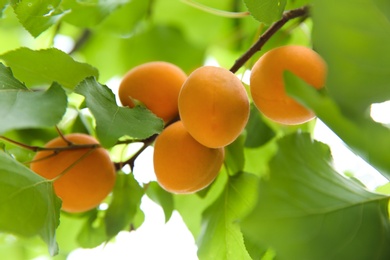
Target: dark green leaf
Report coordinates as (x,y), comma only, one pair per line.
(37,15)
(221,237)
(7,80)
(126,199)
(21,108)
(112,121)
(234,155)
(266,11)
(306,210)
(28,205)
(354,39)
(162,198)
(258,132)
(37,67)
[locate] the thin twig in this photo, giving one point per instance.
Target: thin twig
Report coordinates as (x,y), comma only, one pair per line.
(58,149)
(287,16)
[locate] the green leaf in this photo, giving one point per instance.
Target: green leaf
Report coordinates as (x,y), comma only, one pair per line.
(266,11)
(38,67)
(173,47)
(258,132)
(162,198)
(221,237)
(354,43)
(126,199)
(28,204)
(3,4)
(306,210)
(234,156)
(352,130)
(8,81)
(37,15)
(112,121)
(21,108)
(88,13)
(93,232)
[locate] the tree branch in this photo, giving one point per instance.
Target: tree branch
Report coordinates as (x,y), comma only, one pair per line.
(287,16)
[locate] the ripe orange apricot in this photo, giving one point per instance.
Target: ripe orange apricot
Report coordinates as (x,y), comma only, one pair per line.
(214,106)
(156,85)
(183,165)
(267,85)
(85,176)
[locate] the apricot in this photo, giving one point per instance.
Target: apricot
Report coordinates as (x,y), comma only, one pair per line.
(82,177)
(156,85)
(181,164)
(214,106)
(267,84)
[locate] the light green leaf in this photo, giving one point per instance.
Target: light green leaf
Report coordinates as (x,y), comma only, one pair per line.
(37,15)
(367,138)
(88,13)
(112,121)
(266,11)
(221,237)
(306,210)
(354,39)
(28,204)
(38,67)
(162,198)
(21,108)
(3,4)
(126,199)
(93,232)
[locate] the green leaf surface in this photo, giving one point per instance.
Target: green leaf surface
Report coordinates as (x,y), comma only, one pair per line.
(22,108)
(112,121)
(140,48)
(367,138)
(88,13)
(126,199)
(37,15)
(43,67)
(354,39)
(28,204)
(221,237)
(93,232)
(8,81)
(234,156)
(266,11)
(258,132)
(162,198)
(306,210)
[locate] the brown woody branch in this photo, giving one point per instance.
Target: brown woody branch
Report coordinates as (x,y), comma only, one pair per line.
(287,16)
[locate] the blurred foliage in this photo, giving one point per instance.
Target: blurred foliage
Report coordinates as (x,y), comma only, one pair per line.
(277,196)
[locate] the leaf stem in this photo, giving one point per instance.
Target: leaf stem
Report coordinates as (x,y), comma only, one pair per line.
(216,11)
(287,16)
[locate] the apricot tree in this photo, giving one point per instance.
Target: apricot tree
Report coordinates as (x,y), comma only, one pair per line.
(229,95)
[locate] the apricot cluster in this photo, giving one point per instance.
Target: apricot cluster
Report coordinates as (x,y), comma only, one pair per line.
(213,109)
(209,109)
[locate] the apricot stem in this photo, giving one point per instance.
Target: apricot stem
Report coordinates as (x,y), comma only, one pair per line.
(287,16)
